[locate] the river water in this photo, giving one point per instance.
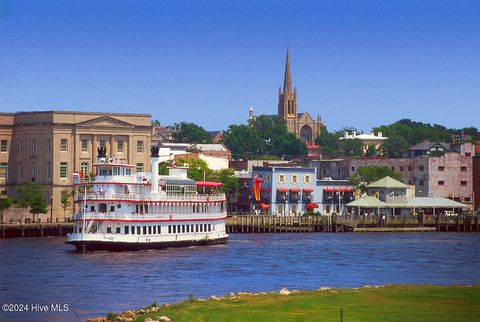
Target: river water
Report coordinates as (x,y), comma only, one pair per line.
(46,271)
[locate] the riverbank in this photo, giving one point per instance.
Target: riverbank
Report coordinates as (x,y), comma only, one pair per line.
(369,303)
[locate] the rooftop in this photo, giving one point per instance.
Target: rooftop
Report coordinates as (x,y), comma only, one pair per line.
(387,183)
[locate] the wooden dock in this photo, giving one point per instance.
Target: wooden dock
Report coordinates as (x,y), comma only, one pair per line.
(394,229)
(35,230)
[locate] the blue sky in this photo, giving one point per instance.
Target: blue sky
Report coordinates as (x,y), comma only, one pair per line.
(356,63)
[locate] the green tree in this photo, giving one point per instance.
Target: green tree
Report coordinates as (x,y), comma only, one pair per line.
(230,182)
(371,151)
(395,147)
(329,142)
(155,123)
(368,174)
(65,201)
(244,142)
(5,203)
(31,195)
(350,148)
(190,133)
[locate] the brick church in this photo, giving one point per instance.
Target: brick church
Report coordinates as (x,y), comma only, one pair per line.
(300,124)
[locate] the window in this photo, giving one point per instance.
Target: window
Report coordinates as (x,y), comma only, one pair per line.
(154,230)
(139,167)
(169,229)
(63,145)
(159,230)
(144,230)
(463,183)
(441,183)
(126,230)
(34,172)
(464,169)
(109,230)
(92,208)
(149,230)
(49,145)
(102,143)
(267,178)
(117,230)
(3,170)
(420,182)
(20,171)
(401,168)
(138,230)
(4,146)
(49,171)
(133,230)
(84,168)
(139,146)
(468,154)
(294,178)
(281,178)
(393,168)
(307,179)
(353,169)
(120,146)
(188,228)
(421,168)
(409,168)
(441,168)
(410,182)
(174,229)
(84,145)
(63,170)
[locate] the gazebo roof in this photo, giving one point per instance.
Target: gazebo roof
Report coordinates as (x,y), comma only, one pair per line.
(367,202)
(387,183)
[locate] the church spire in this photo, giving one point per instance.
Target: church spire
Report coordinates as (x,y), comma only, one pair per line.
(287,82)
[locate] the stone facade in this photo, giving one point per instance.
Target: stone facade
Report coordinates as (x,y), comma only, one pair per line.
(300,124)
(47,147)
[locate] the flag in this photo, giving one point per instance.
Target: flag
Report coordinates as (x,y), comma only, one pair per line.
(257,182)
(82,174)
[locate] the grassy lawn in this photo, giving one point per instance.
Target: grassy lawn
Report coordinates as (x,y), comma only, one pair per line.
(389,303)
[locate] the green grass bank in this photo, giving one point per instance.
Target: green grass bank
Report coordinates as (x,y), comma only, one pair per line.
(389,303)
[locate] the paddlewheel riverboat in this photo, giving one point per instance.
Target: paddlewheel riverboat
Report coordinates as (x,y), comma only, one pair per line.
(124,210)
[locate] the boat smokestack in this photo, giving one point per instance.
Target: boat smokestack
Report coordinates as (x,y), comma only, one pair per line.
(154,162)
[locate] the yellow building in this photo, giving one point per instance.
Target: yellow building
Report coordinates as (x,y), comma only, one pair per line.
(47,147)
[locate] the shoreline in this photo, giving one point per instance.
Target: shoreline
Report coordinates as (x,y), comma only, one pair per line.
(417,302)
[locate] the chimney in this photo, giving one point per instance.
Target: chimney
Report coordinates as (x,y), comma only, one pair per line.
(379,134)
(154,162)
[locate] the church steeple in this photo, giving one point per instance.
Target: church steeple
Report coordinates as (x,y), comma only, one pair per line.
(287,99)
(287,82)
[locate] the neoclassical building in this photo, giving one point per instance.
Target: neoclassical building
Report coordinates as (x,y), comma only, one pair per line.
(48,146)
(300,124)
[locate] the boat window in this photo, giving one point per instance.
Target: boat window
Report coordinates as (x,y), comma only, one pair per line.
(159,230)
(109,230)
(92,208)
(193,208)
(183,228)
(196,228)
(174,229)
(126,230)
(112,208)
(204,227)
(117,230)
(138,230)
(188,228)
(154,230)
(79,230)
(178,229)
(191,228)
(201,228)
(133,230)
(144,230)
(209,227)
(169,229)
(149,230)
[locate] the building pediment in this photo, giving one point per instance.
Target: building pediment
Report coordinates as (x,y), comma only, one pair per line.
(305,118)
(105,121)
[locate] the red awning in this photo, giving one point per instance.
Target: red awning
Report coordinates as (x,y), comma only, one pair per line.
(311,205)
(282,189)
(295,190)
(337,189)
(264,205)
(208,184)
(308,189)
(328,190)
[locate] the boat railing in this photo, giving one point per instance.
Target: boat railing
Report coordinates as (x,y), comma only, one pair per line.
(146,197)
(112,178)
(147,217)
